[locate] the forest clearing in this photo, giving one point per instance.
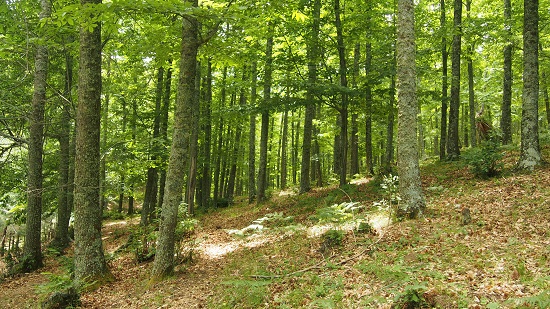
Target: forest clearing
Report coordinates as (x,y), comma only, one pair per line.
(501,259)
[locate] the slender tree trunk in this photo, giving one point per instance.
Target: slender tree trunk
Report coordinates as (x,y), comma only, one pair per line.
(262,173)
(344,106)
(444,85)
(164,134)
(217,184)
(312,56)
(194,112)
(453,148)
(164,259)
(151,186)
(207,129)
(471,95)
(354,138)
(252,139)
(506,107)
(89,261)
(236,147)
(412,200)
(284,156)
(32,250)
(368,110)
(389,154)
(133,123)
(61,240)
(530,155)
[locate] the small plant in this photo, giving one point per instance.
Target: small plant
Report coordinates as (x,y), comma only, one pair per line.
(390,185)
(365,228)
(337,213)
(411,298)
(331,239)
(485,160)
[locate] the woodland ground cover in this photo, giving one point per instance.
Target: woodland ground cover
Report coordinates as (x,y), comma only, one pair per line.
(500,260)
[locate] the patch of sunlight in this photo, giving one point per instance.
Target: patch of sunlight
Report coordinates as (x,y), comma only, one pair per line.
(379,220)
(360,181)
(216,251)
(288,192)
(116,223)
(318,230)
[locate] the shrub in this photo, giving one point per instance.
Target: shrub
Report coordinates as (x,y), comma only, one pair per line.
(485,160)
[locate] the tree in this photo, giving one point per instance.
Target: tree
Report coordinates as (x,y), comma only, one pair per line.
(444,83)
(412,200)
(32,250)
(343,109)
(506,107)
(89,261)
(264,135)
(164,259)
(453,149)
(530,155)
(312,56)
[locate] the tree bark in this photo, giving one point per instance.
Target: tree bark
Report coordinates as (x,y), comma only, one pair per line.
(164,259)
(284,156)
(32,250)
(354,138)
(194,113)
(61,240)
(252,138)
(89,261)
(368,111)
(530,155)
(506,107)
(343,140)
(471,94)
(444,84)
(453,149)
(312,56)
(412,200)
(262,173)
(151,185)
(164,134)
(207,145)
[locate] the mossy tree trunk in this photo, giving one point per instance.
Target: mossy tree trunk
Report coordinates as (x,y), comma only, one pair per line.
(89,261)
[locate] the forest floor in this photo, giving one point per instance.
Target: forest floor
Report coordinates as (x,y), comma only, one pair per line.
(273,255)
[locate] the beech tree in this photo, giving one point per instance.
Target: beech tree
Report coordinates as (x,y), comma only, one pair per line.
(412,200)
(89,259)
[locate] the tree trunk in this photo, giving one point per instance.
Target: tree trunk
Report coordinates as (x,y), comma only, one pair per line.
(444,85)
(471,95)
(530,155)
(354,138)
(284,146)
(343,140)
(368,111)
(262,173)
(506,107)
(252,139)
(217,183)
(388,156)
(412,200)
(89,261)
(453,149)
(164,134)
(207,145)
(164,259)
(32,250)
(61,240)
(151,185)
(194,113)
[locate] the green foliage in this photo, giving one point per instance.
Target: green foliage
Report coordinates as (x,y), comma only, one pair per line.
(113,215)
(365,228)
(390,186)
(541,300)
(412,297)
(485,160)
(337,213)
(245,294)
(331,239)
